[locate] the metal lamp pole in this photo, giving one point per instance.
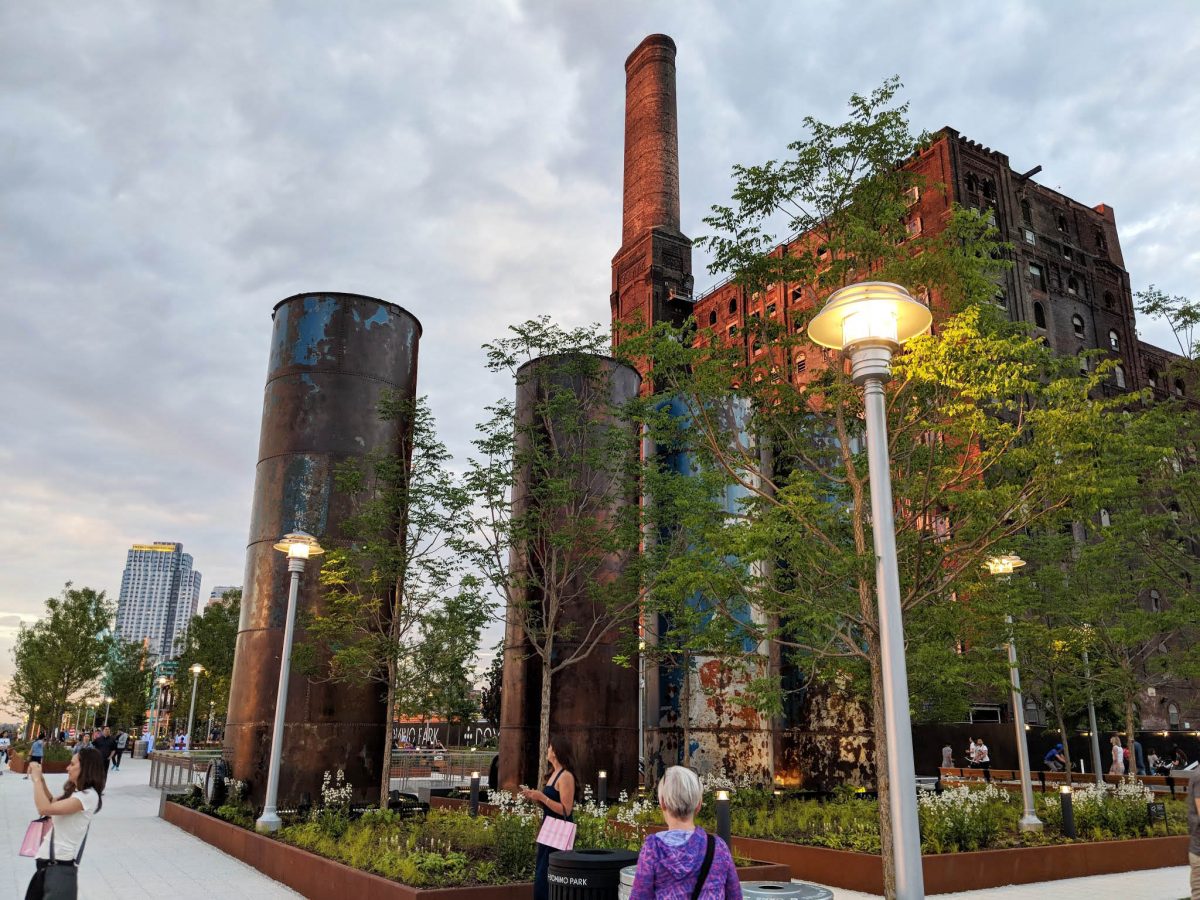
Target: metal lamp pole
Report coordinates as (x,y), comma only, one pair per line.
(1029,820)
(298,546)
(196,670)
(870,321)
(211,706)
(107,706)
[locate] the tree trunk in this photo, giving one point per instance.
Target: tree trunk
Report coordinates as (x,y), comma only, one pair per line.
(685,710)
(879,730)
(1062,726)
(1130,756)
(544,723)
(385,779)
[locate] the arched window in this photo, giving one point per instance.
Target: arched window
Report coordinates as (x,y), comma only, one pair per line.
(732,305)
(1077,325)
(1109,300)
(1155,601)
(1173,715)
(1039,315)
(1072,285)
(1152,378)
(1105,518)
(1114,340)
(1119,376)
(712,317)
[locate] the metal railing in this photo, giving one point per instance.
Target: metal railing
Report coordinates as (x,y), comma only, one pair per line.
(439,768)
(178,771)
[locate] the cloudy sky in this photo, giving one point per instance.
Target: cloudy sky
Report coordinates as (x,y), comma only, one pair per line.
(169,171)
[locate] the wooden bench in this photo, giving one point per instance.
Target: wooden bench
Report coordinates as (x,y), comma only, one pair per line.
(1049,781)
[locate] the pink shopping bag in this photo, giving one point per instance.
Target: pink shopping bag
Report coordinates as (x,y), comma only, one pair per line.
(557,833)
(34,835)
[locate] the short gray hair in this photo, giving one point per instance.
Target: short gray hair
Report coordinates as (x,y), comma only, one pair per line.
(679,792)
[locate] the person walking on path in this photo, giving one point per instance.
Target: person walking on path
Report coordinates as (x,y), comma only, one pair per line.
(983,760)
(1118,757)
(1194,833)
(683,862)
(122,742)
(70,813)
(557,800)
(107,745)
(36,751)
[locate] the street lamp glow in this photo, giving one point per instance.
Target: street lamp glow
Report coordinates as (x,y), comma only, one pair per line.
(299,545)
(870,321)
(869,312)
(1003,565)
(197,669)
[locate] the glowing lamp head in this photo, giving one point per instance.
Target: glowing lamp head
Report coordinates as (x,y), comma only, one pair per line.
(197,669)
(475,775)
(1065,789)
(722,795)
(299,545)
(871,312)
(603,773)
(1004,565)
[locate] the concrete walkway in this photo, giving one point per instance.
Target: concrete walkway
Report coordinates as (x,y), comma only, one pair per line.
(1152,884)
(131,853)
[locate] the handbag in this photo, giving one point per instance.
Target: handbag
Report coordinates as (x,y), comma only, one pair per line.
(60,880)
(34,835)
(557,833)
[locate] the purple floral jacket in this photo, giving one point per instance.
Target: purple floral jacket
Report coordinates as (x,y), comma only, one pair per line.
(670,861)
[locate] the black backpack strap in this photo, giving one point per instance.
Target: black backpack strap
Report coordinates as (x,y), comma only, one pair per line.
(708,861)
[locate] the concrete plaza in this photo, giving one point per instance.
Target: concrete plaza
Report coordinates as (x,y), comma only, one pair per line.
(131,853)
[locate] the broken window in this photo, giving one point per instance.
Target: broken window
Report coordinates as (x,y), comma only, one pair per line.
(1114,340)
(1038,274)
(1026,213)
(1077,325)
(1039,315)
(1101,240)
(1060,221)
(1152,378)
(1109,300)
(1072,285)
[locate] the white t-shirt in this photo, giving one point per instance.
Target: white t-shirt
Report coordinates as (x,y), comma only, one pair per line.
(69,830)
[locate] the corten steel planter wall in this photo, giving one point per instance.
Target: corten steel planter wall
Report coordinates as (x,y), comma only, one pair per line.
(18,764)
(950,872)
(315,876)
(332,358)
(595,701)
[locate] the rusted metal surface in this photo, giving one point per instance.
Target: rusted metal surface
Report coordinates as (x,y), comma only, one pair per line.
(830,743)
(332,357)
(594,702)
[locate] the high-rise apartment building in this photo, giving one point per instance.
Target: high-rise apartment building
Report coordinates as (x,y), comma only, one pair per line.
(159,594)
(217,594)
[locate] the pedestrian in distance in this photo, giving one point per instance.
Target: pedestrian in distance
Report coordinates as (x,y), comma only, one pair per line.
(1139,759)
(683,861)
(1055,760)
(1118,757)
(36,751)
(983,760)
(947,757)
(5,746)
(122,741)
(557,800)
(70,813)
(106,744)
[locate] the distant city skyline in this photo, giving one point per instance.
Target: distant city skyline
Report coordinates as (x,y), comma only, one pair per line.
(160,591)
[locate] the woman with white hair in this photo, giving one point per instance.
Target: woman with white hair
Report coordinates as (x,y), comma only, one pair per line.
(684,863)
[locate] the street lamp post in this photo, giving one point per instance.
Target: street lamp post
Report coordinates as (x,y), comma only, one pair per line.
(157,716)
(196,670)
(1004,566)
(870,321)
(107,706)
(298,546)
(212,704)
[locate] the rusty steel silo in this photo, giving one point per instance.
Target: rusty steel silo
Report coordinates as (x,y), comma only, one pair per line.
(333,355)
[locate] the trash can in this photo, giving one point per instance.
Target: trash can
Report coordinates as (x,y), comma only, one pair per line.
(139,749)
(588,874)
(757,890)
(625,891)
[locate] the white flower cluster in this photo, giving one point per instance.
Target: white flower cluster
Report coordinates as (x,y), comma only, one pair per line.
(628,813)
(720,780)
(335,791)
(235,790)
(962,799)
(1129,790)
(511,804)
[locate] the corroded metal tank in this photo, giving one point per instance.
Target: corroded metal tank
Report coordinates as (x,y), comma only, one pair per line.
(332,357)
(595,701)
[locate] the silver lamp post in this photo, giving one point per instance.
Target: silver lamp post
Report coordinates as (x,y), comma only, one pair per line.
(1004,566)
(107,706)
(157,717)
(298,546)
(212,704)
(870,321)
(196,670)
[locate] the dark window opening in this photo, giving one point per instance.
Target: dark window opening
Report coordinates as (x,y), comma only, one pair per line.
(1060,222)
(1101,241)
(1180,390)
(1077,325)
(1114,340)
(712,317)
(1155,601)
(989,189)
(1152,378)
(1109,300)
(732,305)
(1072,285)
(1039,315)
(1038,274)
(1026,212)
(972,182)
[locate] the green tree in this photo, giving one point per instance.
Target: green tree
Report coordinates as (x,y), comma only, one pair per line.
(989,431)
(60,657)
(493,687)
(210,640)
(562,550)
(127,680)
(399,608)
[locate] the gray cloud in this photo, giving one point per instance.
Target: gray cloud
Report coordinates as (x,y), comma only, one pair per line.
(169,173)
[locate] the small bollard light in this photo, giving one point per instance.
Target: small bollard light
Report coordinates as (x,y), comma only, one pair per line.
(1065,797)
(602,787)
(723,827)
(474,808)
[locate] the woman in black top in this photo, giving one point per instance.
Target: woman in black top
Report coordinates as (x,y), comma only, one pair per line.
(557,800)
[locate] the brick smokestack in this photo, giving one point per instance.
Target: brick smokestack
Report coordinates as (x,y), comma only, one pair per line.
(651,140)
